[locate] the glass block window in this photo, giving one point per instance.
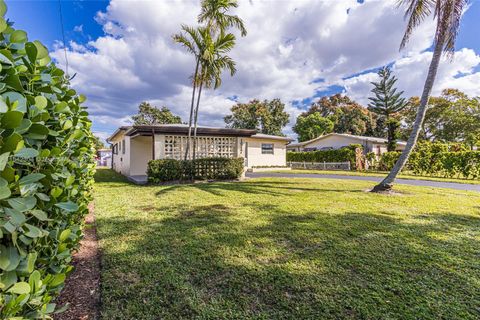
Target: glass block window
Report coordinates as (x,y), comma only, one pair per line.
(206,147)
(267,148)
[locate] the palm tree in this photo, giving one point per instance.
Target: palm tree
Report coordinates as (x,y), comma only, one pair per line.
(215,14)
(214,60)
(448,14)
(191,39)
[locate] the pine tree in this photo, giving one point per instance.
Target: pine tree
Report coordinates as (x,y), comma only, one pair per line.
(387,103)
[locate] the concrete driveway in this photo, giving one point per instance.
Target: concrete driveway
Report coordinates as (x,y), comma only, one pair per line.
(420,183)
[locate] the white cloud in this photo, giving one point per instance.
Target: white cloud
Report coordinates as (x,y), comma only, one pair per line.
(412,70)
(78,28)
(289,45)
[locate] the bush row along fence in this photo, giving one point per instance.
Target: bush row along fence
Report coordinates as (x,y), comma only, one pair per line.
(329,156)
(46,176)
(199,169)
(463,164)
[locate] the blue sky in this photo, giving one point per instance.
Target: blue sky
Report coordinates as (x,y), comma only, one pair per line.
(46,26)
(26,16)
(42,21)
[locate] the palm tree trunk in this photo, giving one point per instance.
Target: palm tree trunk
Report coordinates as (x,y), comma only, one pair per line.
(191,109)
(195,121)
(387,183)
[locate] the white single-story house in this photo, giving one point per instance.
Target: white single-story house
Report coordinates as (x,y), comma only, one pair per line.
(134,146)
(339,140)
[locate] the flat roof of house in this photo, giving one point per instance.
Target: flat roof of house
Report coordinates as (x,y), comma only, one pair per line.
(147,130)
(272,137)
(360,138)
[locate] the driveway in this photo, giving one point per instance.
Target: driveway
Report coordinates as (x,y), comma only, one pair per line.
(420,183)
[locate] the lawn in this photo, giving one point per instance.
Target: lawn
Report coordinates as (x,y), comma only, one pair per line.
(409,176)
(286,249)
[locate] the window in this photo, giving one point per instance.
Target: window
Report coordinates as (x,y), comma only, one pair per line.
(123,146)
(115,148)
(267,148)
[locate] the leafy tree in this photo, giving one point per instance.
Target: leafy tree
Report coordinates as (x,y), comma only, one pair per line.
(312,126)
(148,114)
(98,143)
(451,117)
(448,14)
(268,117)
(393,125)
(347,115)
(387,103)
(209,45)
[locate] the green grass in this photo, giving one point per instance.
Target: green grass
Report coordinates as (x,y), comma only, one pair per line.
(380,174)
(286,249)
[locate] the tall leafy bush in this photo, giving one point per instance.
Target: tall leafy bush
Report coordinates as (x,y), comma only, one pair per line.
(346,154)
(460,164)
(46,171)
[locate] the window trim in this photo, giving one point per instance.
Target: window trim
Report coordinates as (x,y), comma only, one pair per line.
(268,150)
(123,146)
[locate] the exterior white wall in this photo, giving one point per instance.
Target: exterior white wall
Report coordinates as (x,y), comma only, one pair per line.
(121,160)
(256,158)
(140,154)
(333,141)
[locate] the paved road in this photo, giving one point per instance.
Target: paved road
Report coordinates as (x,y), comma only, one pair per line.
(421,183)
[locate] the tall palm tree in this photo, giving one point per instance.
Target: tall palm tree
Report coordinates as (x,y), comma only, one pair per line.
(448,14)
(213,62)
(191,39)
(215,14)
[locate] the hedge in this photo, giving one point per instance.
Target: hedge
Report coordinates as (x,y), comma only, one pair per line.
(337,155)
(462,164)
(198,169)
(46,164)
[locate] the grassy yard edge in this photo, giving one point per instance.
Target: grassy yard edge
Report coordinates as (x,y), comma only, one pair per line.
(376,174)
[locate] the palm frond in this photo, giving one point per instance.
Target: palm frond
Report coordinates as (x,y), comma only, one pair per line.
(417,11)
(451,25)
(214,12)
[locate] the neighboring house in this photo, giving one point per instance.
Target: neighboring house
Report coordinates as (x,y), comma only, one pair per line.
(104,157)
(339,140)
(134,146)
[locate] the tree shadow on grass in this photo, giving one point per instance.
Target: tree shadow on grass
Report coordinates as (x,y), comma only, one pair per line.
(206,263)
(276,188)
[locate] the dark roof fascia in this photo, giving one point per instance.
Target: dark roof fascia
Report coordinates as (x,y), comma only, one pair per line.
(202,131)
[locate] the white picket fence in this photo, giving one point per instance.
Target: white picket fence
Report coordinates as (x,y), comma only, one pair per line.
(320,165)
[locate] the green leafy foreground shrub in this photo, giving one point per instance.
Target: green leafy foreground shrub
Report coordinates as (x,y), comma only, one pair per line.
(198,169)
(46,175)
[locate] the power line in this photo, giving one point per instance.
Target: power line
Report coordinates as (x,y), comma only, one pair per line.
(63,37)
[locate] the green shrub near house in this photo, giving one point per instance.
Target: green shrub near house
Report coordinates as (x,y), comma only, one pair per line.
(346,154)
(46,165)
(199,169)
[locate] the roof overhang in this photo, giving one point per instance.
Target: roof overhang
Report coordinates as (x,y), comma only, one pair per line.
(119,130)
(271,137)
(183,130)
